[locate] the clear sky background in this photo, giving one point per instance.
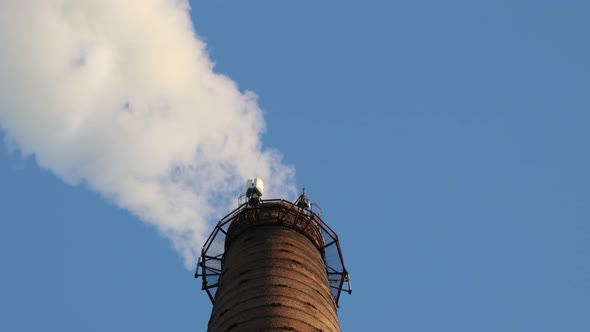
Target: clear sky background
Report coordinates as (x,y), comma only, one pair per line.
(446,142)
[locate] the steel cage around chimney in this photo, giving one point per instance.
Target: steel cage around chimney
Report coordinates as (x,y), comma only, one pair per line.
(210,262)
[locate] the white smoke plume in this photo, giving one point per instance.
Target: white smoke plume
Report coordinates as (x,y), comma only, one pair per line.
(122,97)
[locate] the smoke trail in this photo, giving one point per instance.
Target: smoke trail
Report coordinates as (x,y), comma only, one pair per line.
(121,96)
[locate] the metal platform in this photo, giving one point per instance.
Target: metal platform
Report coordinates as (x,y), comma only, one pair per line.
(285,214)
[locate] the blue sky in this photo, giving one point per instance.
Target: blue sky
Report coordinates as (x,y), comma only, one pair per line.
(446,142)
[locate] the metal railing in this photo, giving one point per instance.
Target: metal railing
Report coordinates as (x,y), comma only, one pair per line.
(210,264)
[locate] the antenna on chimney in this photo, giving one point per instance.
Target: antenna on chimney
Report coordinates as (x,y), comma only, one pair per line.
(254,190)
(303,202)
